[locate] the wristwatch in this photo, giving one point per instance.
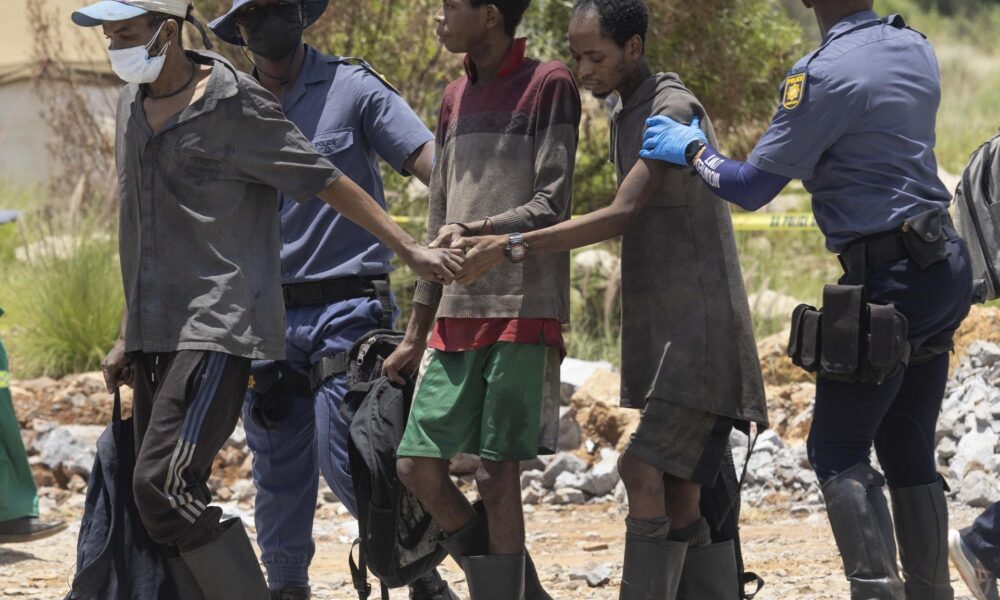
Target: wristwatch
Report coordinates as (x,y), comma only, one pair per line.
(692,151)
(517,248)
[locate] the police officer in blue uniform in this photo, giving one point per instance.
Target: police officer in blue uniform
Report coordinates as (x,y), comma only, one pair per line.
(856,125)
(335,279)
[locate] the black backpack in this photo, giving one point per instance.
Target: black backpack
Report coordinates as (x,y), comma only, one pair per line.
(977,216)
(398,540)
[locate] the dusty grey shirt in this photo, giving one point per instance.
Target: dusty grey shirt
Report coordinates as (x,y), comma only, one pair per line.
(199,230)
(687,337)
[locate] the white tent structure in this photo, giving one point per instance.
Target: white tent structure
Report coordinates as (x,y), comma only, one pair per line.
(25,136)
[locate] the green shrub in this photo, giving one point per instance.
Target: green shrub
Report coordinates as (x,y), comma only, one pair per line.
(63,304)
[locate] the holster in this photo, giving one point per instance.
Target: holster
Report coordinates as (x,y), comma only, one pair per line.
(849,339)
(925,239)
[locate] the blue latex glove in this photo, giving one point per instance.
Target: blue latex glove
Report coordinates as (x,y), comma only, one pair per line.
(667,140)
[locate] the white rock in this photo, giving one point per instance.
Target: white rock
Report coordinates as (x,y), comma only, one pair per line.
(244,490)
(769,442)
(71,448)
(594,575)
(603,478)
(974,448)
(532,495)
(569,480)
(983,354)
(529,478)
(568,496)
(978,489)
(563,463)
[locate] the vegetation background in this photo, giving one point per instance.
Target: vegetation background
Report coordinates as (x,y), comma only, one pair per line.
(59,277)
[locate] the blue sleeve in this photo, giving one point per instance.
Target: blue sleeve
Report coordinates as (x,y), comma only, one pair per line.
(817,109)
(390,125)
(738,182)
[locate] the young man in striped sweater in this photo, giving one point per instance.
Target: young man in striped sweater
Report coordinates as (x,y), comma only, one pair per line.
(506,142)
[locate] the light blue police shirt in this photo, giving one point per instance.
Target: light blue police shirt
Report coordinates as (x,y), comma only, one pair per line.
(353,118)
(856,125)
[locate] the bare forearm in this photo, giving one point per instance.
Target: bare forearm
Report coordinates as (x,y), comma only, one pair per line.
(421,322)
(354,203)
(124,323)
(605,223)
(591,228)
(421,163)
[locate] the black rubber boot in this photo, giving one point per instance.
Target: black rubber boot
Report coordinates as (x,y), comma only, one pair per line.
(227,569)
(471,540)
(187,588)
(474,540)
(862,526)
(299,592)
(921,515)
(431,587)
(652,569)
(710,572)
(495,576)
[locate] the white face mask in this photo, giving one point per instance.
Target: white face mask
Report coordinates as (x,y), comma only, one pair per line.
(135,65)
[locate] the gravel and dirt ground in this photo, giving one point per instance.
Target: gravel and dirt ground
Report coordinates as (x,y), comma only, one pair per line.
(795,555)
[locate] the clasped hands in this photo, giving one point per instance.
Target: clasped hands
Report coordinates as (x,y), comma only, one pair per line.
(479,254)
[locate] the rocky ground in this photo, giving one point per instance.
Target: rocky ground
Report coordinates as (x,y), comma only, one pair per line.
(575,503)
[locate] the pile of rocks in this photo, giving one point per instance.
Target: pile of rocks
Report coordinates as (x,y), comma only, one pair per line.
(62,419)
(968,432)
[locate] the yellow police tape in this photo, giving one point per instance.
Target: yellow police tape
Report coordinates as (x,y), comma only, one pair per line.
(741,221)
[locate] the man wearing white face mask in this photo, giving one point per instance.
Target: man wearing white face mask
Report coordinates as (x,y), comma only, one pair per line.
(200,150)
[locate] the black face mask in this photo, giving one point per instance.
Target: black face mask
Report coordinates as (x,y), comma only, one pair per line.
(274,31)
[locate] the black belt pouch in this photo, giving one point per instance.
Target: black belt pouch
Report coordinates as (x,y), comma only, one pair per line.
(843,307)
(925,239)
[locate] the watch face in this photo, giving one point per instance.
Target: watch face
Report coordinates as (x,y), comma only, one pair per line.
(517,253)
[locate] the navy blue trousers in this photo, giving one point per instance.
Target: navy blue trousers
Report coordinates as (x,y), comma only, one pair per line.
(310,440)
(898,417)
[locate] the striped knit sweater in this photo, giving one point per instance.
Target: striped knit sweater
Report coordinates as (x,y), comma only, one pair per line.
(506,149)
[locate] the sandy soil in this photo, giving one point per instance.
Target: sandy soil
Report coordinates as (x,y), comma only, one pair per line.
(795,555)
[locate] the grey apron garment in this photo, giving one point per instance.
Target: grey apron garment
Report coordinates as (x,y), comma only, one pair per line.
(687,336)
(115,558)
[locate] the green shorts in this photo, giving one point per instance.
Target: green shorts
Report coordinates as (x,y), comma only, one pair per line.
(486,402)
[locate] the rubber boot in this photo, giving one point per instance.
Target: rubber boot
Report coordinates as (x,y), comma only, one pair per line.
(710,572)
(474,540)
(652,569)
(921,515)
(862,526)
(227,569)
(187,588)
(495,576)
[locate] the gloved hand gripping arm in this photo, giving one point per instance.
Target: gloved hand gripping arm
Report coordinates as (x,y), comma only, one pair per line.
(686,145)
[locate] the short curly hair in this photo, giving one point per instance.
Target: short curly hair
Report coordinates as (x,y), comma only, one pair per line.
(512,11)
(620,19)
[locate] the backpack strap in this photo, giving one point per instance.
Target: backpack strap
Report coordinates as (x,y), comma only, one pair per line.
(359,572)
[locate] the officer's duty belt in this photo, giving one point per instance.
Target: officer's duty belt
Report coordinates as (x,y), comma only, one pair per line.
(328,291)
(874,250)
(922,239)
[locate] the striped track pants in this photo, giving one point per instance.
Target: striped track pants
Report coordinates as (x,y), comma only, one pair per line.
(186,405)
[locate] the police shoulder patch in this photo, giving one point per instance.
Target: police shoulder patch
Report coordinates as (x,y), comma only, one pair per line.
(364,64)
(794,90)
